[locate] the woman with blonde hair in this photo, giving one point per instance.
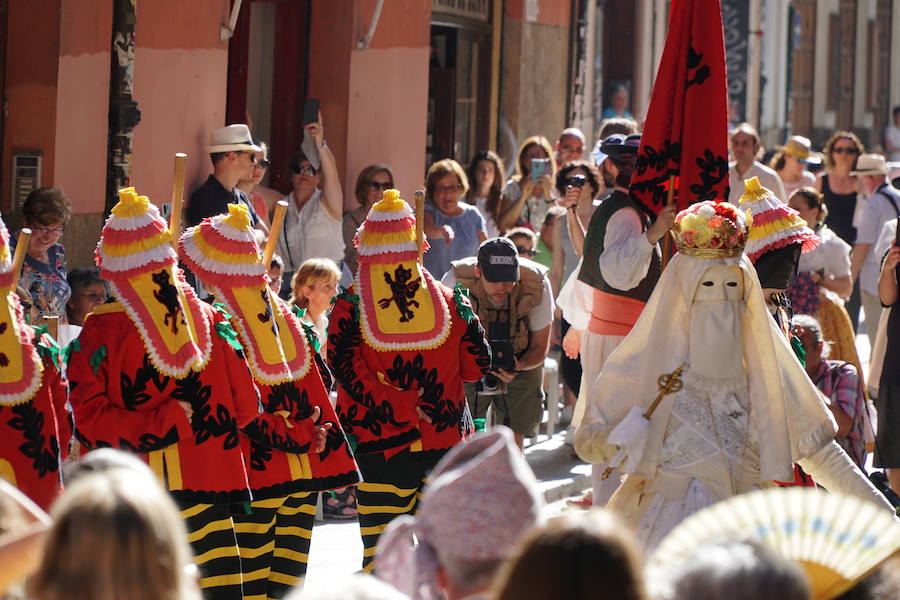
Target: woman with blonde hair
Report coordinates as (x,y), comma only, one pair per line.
(115,535)
(313,288)
(528,196)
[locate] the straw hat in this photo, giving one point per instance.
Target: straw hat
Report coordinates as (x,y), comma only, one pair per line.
(234,138)
(800,147)
(871,164)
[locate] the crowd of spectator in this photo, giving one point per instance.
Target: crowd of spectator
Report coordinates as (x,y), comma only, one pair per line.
(513,240)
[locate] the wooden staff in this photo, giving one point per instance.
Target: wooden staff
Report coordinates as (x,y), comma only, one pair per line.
(667,239)
(420,223)
(177,197)
(19,256)
(277,221)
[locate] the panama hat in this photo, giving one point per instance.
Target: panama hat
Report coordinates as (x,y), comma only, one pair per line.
(234,138)
(800,147)
(871,164)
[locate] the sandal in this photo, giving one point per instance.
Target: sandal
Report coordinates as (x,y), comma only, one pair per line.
(340,504)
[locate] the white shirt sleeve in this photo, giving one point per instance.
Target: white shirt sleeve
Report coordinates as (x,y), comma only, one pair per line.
(575,300)
(626,250)
(542,315)
(449,279)
(873,218)
(837,258)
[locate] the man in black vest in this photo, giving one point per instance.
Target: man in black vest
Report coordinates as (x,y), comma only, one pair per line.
(621,264)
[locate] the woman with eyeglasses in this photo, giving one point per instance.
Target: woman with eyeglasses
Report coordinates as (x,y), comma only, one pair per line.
(88,292)
(790,163)
(46,212)
(370,185)
(454,228)
(839,192)
(312,225)
(262,199)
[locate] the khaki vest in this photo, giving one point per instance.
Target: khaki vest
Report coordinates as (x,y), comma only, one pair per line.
(526,295)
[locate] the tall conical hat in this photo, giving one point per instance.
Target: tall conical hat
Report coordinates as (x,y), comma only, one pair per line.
(223,252)
(401,305)
(136,257)
(20,365)
(774,224)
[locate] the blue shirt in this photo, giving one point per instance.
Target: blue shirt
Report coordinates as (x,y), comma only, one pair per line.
(465,225)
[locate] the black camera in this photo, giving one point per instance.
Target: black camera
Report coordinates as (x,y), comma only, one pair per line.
(502,357)
(576,180)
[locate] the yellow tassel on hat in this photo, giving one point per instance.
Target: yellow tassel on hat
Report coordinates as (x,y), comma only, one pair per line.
(390,202)
(130,204)
(238,217)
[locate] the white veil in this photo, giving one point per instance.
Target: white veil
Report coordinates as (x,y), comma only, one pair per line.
(793,422)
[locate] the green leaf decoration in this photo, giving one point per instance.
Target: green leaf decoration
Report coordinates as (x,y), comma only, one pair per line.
(97,358)
(463,308)
(346,295)
(46,345)
(222,310)
(799,350)
(74,346)
(353,442)
(227,333)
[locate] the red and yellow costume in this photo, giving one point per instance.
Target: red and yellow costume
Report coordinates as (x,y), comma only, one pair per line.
(285,473)
(400,344)
(33,422)
(155,373)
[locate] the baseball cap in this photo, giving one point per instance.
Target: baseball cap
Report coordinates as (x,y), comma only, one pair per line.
(498,260)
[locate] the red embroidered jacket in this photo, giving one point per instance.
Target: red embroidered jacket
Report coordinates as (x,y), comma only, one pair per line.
(32,432)
(120,400)
(379,391)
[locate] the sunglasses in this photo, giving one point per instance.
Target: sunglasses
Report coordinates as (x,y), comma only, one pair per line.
(526,251)
(377,185)
(845,150)
(301,170)
(263,164)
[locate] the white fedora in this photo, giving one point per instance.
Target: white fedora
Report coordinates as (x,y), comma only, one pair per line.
(234,138)
(871,164)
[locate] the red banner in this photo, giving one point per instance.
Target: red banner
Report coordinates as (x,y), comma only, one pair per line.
(685,135)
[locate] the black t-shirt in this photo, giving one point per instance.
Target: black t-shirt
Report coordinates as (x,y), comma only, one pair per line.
(211,199)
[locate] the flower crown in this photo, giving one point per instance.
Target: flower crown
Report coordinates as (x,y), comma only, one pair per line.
(711,230)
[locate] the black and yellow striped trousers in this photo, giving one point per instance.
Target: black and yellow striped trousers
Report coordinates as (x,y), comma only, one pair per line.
(274,544)
(211,534)
(390,487)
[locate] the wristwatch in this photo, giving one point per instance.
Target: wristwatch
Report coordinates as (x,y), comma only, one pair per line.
(324,145)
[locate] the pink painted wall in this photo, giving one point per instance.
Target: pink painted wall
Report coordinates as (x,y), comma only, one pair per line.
(82,93)
(180,75)
(387,116)
(374,102)
(30,86)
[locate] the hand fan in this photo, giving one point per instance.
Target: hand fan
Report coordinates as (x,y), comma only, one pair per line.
(837,539)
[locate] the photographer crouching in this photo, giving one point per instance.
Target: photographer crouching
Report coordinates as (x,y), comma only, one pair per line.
(512,297)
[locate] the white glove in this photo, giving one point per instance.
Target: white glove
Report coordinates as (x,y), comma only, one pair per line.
(831,467)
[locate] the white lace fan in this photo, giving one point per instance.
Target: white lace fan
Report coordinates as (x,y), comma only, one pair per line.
(837,539)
